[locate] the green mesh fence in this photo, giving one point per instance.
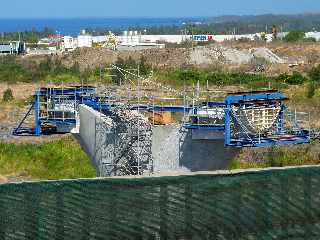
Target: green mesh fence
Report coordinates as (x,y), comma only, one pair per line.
(276,204)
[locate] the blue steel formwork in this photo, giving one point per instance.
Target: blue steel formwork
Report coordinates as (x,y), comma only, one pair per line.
(279,134)
(47,116)
(235,131)
(195,115)
(48,101)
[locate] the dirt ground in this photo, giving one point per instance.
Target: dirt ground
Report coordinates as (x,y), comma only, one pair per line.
(10,117)
(303,55)
(21,90)
(12,113)
(300,52)
(92,58)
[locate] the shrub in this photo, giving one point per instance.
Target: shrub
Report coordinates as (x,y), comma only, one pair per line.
(190,75)
(314,74)
(145,68)
(295,36)
(311,89)
(295,79)
(8,95)
(310,39)
(117,76)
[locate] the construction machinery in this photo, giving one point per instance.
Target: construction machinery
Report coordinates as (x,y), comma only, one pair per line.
(112,41)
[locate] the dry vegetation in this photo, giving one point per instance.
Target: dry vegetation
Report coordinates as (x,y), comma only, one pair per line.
(278,156)
(306,54)
(94,58)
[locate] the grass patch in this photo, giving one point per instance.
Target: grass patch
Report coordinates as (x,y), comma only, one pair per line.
(61,159)
(279,156)
(190,76)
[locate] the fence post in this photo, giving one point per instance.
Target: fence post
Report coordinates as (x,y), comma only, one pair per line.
(237,203)
(86,215)
(308,206)
(188,211)
(163,212)
(268,199)
(31,217)
(3,215)
(284,181)
(59,214)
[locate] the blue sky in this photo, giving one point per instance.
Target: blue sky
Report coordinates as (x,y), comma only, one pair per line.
(151,8)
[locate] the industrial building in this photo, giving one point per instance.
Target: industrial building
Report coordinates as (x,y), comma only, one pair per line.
(134,40)
(12,47)
(84,41)
(69,43)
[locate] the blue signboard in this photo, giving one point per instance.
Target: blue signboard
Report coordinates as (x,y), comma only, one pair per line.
(202,38)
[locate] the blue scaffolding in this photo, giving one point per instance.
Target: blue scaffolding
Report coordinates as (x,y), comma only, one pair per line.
(253,119)
(54,110)
(261,119)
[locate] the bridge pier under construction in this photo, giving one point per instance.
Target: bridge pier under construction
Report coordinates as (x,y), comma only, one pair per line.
(122,138)
(163,150)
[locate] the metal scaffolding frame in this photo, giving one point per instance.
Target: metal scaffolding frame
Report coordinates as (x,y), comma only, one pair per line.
(54,110)
(129,134)
(260,119)
(123,143)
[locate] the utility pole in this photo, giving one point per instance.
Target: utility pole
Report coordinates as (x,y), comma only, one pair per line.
(138,149)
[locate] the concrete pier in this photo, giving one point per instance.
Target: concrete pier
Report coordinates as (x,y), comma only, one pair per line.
(174,149)
(177,149)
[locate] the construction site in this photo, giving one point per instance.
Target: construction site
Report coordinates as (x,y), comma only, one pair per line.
(156,151)
(139,133)
(133,137)
(161,161)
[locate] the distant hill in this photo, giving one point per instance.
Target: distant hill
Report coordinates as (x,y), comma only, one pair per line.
(259,23)
(243,24)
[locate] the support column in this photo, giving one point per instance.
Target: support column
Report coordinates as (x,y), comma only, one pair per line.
(37,113)
(280,127)
(227,132)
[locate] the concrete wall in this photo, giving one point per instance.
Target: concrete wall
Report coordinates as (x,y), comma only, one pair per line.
(178,150)
(88,129)
(174,149)
(94,131)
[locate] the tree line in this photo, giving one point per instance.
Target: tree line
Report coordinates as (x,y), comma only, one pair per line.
(32,36)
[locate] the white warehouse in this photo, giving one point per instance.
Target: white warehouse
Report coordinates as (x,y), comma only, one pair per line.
(85,41)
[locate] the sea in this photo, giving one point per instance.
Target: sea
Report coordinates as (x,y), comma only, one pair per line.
(74,26)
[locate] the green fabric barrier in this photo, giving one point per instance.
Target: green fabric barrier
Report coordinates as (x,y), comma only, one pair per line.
(270,204)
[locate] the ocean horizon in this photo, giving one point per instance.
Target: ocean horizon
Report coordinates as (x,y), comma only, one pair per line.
(73,26)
